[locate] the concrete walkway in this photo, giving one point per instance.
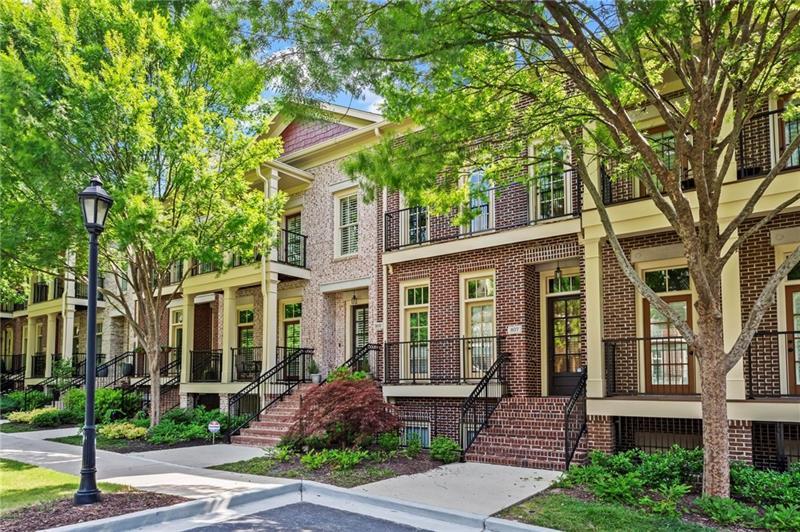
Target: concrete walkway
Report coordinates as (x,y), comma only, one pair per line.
(470,487)
(174,471)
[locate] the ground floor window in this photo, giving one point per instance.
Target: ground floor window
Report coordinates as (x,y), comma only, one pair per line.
(416,429)
(657,434)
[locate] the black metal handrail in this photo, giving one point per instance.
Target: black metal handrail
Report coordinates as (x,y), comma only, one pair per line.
(205,365)
(58,287)
(270,387)
(668,368)
(171,370)
(414,226)
(40,292)
(754,155)
(291,248)
(245,363)
(481,403)
(364,359)
(575,418)
(114,370)
(199,268)
(12,372)
(432,361)
(763,360)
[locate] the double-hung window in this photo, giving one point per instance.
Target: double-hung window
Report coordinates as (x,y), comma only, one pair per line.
(550,186)
(347,229)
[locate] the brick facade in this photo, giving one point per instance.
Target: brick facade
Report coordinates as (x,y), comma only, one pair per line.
(304,133)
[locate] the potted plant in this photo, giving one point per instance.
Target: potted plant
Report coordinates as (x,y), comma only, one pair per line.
(313,370)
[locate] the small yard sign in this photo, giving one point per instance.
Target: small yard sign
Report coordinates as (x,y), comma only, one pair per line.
(213,428)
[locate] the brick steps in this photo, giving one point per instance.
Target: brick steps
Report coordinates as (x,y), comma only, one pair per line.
(273,424)
(525,432)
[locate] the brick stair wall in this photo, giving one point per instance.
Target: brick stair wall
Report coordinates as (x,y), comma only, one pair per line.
(526,432)
(275,422)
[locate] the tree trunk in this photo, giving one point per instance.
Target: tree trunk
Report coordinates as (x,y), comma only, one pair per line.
(716,467)
(154,364)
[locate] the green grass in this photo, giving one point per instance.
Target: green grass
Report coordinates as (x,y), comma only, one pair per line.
(24,485)
(106,444)
(573,515)
(27,427)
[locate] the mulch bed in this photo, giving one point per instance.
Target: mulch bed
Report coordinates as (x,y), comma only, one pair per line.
(61,513)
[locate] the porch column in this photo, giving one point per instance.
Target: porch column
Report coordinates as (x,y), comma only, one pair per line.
(270,321)
(228,331)
(50,343)
(68,331)
(732,320)
(593,288)
(30,349)
(188,335)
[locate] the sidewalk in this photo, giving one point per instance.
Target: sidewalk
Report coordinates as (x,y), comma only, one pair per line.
(173,471)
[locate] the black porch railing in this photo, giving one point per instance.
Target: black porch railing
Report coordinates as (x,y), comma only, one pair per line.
(365,359)
(78,363)
(628,189)
(482,402)
(291,248)
(245,363)
(762,363)
(754,155)
(269,388)
(199,268)
(81,290)
(575,419)
(58,287)
(171,371)
(12,372)
(38,365)
(433,361)
(649,366)
(205,365)
(499,208)
(40,292)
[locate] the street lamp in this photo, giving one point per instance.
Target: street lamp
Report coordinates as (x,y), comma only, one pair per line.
(95,203)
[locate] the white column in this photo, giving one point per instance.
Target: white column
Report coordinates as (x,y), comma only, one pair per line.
(593,288)
(67,331)
(228,331)
(270,319)
(188,335)
(50,342)
(732,320)
(30,349)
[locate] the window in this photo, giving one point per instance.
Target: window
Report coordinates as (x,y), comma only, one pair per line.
(789,129)
(415,349)
(176,339)
(244,338)
(567,283)
(794,273)
(663,143)
(76,343)
(417,295)
(294,239)
(480,203)
(479,342)
(416,429)
(550,189)
(25,338)
(668,279)
(8,341)
(98,338)
(348,225)
(39,338)
(176,272)
(292,310)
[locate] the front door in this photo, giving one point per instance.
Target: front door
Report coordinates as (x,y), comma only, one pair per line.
(360,327)
(291,336)
(793,339)
(294,239)
(668,366)
(564,343)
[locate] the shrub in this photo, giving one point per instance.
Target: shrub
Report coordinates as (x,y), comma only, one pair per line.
(122,431)
(184,424)
(413,446)
(620,488)
(42,417)
(389,441)
(346,459)
(727,511)
(344,413)
(169,432)
(22,400)
(764,487)
(346,374)
(675,466)
(669,497)
(314,460)
(445,449)
(109,403)
(781,517)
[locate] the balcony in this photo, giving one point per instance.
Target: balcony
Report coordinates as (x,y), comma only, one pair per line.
(40,292)
(762,365)
(205,365)
(245,363)
(82,289)
(649,366)
(58,288)
(199,268)
(500,208)
(291,248)
(440,361)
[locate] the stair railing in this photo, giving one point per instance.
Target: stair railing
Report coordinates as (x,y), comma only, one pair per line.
(364,359)
(113,369)
(172,369)
(575,418)
(481,403)
(269,388)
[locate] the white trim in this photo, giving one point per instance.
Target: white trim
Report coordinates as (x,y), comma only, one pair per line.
(533,191)
(343,186)
(426,390)
(404,308)
(337,227)
(657,253)
(342,286)
(787,235)
(463,303)
(544,295)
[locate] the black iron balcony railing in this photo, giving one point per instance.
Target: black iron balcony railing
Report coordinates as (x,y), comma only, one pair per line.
(549,197)
(762,364)
(291,248)
(246,363)
(12,363)
(649,366)
(58,287)
(199,268)
(206,365)
(13,307)
(40,292)
(176,272)
(440,361)
(82,289)
(238,260)
(627,189)
(754,152)
(38,365)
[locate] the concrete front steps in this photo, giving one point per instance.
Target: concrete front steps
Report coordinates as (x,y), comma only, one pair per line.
(525,432)
(275,422)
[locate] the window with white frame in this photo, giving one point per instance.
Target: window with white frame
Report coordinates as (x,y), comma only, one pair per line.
(550,187)
(347,230)
(479,322)
(481,202)
(415,349)
(789,129)
(176,336)
(98,338)
(420,430)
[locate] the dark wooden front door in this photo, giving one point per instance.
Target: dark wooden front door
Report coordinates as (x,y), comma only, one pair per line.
(564,343)
(360,327)
(793,340)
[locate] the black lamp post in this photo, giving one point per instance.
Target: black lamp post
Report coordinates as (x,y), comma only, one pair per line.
(95,203)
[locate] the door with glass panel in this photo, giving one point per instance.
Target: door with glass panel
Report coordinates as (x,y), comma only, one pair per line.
(564,343)
(480,202)
(292,333)
(360,327)
(480,340)
(415,356)
(294,240)
(793,338)
(668,364)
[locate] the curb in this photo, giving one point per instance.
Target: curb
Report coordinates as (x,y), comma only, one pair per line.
(178,511)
